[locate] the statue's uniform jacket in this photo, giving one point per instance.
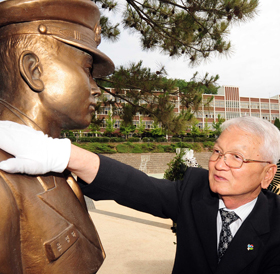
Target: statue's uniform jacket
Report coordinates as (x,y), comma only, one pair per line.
(44,228)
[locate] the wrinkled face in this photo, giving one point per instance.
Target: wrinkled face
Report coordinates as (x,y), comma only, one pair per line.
(244,184)
(70,92)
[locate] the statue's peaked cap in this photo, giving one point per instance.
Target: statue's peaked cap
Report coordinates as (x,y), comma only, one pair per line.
(74,22)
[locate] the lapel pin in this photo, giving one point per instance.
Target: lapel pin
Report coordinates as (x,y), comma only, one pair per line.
(250,247)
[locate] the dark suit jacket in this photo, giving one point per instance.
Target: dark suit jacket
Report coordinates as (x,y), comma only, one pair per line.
(44,228)
(192,205)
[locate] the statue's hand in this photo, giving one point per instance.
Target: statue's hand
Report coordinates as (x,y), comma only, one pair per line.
(35,152)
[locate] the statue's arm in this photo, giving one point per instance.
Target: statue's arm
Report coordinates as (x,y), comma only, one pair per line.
(10,252)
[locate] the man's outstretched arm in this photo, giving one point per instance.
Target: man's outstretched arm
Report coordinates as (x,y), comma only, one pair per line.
(83,163)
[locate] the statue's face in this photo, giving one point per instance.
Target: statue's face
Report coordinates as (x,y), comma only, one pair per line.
(69,96)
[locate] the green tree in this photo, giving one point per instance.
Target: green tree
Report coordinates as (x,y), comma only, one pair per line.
(126,129)
(140,128)
(156,130)
(206,128)
(110,122)
(140,90)
(95,124)
(277,123)
(195,131)
(217,126)
(196,29)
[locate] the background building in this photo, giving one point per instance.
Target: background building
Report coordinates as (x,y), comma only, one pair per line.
(227,103)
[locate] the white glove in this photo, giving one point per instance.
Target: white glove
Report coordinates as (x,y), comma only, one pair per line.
(35,152)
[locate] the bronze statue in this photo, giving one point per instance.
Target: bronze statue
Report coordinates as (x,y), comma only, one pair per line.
(48,58)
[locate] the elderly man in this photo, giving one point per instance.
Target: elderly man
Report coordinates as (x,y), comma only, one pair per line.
(226,221)
(48,57)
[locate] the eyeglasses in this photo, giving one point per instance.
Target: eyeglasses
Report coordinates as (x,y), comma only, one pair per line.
(232,159)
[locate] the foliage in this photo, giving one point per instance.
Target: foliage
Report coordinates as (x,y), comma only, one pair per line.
(96,144)
(277,123)
(97,147)
(176,168)
(110,122)
(206,130)
(208,144)
(95,123)
(126,129)
(140,128)
(156,130)
(196,29)
(195,131)
(148,139)
(161,139)
(217,126)
(137,89)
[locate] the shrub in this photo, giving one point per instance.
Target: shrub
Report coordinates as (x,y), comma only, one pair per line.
(116,139)
(160,149)
(176,139)
(197,147)
(188,139)
(184,145)
(85,139)
(170,149)
(201,139)
(125,147)
(161,139)
(208,144)
(97,147)
(137,149)
(148,139)
(72,138)
(133,139)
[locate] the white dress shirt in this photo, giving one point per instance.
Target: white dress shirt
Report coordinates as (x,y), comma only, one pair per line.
(242,212)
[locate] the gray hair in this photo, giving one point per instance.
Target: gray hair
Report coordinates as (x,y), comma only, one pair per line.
(269,134)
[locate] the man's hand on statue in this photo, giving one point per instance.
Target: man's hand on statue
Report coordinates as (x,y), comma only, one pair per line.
(35,152)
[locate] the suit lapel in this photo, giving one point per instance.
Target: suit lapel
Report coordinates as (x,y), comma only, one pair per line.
(205,214)
(237,257)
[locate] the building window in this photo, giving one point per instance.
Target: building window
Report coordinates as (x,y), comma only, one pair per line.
(148,124)
(255,114)
(104,110)
(136,123)
(264,105)
(117,124)
(220,103)
(231,115)
(232,104)
(255,105)
(274,106)
(222,114)
(244,104)
(265,116)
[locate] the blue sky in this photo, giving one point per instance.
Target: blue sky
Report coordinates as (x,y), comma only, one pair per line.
(253,64)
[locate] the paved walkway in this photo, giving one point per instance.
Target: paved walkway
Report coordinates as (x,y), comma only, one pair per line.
(134,242)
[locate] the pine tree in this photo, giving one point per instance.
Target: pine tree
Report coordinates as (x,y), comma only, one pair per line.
(277,123)
(137,89)
(195,29)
